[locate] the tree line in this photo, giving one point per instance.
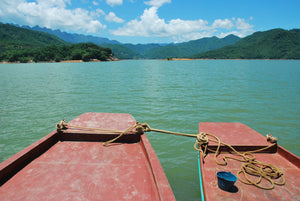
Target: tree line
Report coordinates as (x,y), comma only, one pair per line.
(81,51)
(272,44)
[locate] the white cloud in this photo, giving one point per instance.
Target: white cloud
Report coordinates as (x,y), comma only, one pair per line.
(100,11)
(114,2)
(111,17)
(191,36)
(50,3)
(149,24)
(219,23)
(97,13)
(55,14)
(156,3)
(142,27)
(95,3)
(186,26)
(242,25)
(49,13)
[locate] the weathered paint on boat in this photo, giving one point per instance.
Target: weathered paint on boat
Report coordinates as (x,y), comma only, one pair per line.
(244,138)
(76,166)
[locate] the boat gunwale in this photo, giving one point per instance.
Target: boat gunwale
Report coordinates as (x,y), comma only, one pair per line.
(17,162)
(292,158)
(162,184)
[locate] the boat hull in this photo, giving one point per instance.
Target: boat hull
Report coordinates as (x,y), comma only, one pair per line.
(76,165)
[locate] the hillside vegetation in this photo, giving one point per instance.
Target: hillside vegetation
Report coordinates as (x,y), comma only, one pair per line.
(23,45)
(146,51)
(163,51)
(272,44)
(123,52)
(16,38)
(190,48)
(74,38)
(20,44)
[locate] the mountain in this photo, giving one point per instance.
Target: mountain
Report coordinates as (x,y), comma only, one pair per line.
(190,48)
(131,51)
(12,37)
(271,44)
(120,51)
(22,45)
(74,38)
(17,42)
(145,51)
(123,52)
(142,48)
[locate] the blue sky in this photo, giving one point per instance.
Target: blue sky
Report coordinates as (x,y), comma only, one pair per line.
(154,21)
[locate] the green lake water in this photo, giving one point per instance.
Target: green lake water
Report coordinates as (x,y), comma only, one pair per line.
(169,95)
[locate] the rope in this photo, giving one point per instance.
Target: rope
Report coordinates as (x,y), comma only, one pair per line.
(64,126)
(123,133)
(268,172)
(94,129)
(250,165)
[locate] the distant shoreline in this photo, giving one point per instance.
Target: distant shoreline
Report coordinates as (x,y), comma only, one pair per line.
(179,59)
(189,59)
(115,59)
(63,61)
(31,62)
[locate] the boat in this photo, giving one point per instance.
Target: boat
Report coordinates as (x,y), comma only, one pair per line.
(263,153)
(71,163)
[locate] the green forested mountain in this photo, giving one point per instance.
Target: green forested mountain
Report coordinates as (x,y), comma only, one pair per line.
(74,38)
(19,44)
(12,37)
(131,51)
(142,48)
(190,48)
(147,51)
(123,52)
(162,51)
(272,44)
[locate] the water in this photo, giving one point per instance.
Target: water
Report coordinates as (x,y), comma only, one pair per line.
(170,95)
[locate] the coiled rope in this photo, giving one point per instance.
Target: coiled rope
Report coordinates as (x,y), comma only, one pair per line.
(250,166)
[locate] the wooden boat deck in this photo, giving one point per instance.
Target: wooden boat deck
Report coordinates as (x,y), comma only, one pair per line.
(244,138)
(78,167)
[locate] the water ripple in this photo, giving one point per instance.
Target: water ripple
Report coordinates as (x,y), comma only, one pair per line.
(176,96)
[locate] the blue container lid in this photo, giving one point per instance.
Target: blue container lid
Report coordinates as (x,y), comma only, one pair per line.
(226,180)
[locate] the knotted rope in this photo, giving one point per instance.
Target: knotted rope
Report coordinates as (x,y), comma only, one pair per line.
(250,165)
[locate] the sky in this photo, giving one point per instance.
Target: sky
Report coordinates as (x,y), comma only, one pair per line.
(154,21)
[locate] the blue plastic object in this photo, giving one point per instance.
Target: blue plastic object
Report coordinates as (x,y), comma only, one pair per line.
(226,180)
